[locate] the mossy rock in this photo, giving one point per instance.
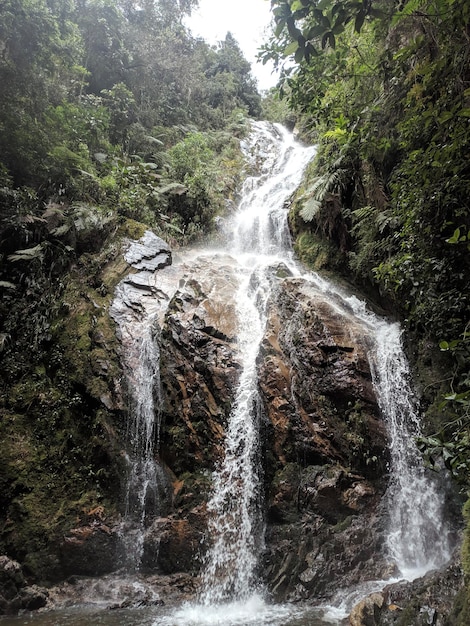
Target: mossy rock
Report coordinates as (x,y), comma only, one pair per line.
(61,415)
(317,253)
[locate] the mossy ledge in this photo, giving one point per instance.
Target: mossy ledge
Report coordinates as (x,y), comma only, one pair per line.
(63,409)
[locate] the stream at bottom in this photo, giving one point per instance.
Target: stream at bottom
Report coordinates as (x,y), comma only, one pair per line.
(254,612)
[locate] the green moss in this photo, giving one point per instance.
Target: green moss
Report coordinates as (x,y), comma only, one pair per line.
(460,615)
(315,252)
(132,229)
(60,454)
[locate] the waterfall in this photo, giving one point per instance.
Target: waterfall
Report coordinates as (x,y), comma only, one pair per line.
(135,309)
(234,509)
(258,243)
(259,225)
(144,473)
(258,235)
(418,538)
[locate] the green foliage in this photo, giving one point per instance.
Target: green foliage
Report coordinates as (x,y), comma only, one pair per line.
(196,163)
(94,94)
(304,28)
(451,444)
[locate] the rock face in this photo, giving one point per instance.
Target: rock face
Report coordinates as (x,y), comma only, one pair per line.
(15,593)
(326,446)
(200,365)
(427,600)
(323,444)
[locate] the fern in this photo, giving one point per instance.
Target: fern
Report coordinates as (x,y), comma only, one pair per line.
(364,213)
(408,8)
(330,183)
(28,254)
(310,209)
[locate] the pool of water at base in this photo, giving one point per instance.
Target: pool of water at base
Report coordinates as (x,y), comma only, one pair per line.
(243,614)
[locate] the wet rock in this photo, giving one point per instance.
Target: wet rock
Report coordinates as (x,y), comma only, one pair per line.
(316,383)
(323,557)
(199,365)
(148,253)
(15,593)
(173,545)
(367,612)
(90,550)
(425,601)
(133,293)
(325,447)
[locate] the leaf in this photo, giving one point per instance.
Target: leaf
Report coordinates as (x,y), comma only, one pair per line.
(27,254)
(294,32)
(279,28)
(338,28)
(291,48)
(316,31)
(4,284)
(328,39)
(336,133)
(299,54)
(154,140)
(445,117)
(359,21)
(377,13)
(310,209)
(61,230)
(455,237)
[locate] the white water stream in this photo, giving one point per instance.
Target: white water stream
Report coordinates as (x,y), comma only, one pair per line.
(144,474)
(257,238)
(417,539)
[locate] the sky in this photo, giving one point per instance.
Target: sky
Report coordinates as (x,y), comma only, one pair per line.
(247,20)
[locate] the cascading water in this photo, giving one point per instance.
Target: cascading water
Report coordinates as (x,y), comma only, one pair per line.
(144,474)
(234,509)
(259,225)
(418,539)
(135,309)
(259,234)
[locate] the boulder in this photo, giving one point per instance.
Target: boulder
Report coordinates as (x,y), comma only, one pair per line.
(367,612)
(15,593)
(90,550)
(325,447)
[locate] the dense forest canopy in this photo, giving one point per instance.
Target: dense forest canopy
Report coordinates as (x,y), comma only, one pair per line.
(89,88)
